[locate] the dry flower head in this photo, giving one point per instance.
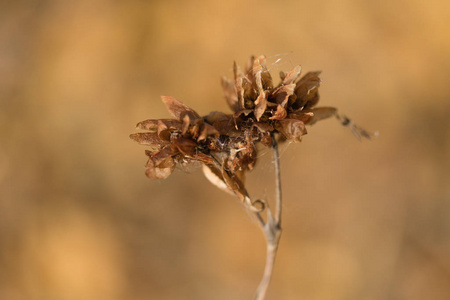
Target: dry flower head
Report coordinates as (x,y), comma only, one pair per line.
(225,143)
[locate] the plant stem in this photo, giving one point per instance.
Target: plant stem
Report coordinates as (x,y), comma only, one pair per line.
(272,229)
(278,202)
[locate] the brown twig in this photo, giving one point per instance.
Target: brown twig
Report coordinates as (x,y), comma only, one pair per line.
(272,229)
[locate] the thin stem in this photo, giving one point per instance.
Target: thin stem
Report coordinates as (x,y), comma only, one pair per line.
(278,202)
(272,229)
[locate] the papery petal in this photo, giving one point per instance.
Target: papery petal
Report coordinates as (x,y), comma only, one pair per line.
(160,163)
(320,113)
(292,76)
(185,145)
(262,126)
(249,68)
(203,158)
(148,138)
(177,109)
(266,139)
(161,171)
(229,89)
(244,112)
(244,89)
(223,123)
(263,79)
(307,90)
(147,125)
(234,184)
(291,129)
(279,114)
(301,115)
(160,156)
(207,130)
(282,94)
(260,105)
(238,80)
(216,178)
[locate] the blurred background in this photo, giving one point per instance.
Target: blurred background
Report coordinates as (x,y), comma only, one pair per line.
(362,220)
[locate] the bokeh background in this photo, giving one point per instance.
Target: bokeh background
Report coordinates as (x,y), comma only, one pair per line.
(79,220)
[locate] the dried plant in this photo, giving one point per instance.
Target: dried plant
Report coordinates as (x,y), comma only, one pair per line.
(226,143)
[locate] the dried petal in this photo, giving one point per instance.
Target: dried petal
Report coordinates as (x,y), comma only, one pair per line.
(216,178)
(229,89)
(266,139)
(279,114)
(185,145)
(160,156)
(162,171)
(147,125)
(320,113)
(262,126)
(307,90)
(207,130)
(148,138)
(283,93)
(260,105)
(202,157)
(177,109)
(292,76)
(263,79)
(234,184)
(291,129)
(238,79)
(155,124)
(160,163)
(303,116)
(249,67)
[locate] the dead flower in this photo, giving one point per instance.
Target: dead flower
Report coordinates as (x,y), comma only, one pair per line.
(226,143)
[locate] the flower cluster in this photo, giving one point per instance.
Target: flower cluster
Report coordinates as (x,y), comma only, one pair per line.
(226,143)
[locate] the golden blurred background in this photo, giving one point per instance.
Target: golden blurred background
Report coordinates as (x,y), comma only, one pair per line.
(79,219)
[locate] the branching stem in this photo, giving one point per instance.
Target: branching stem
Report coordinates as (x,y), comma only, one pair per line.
(272,229)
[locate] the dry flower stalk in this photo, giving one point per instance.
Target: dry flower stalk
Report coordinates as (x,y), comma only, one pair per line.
(226,143)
